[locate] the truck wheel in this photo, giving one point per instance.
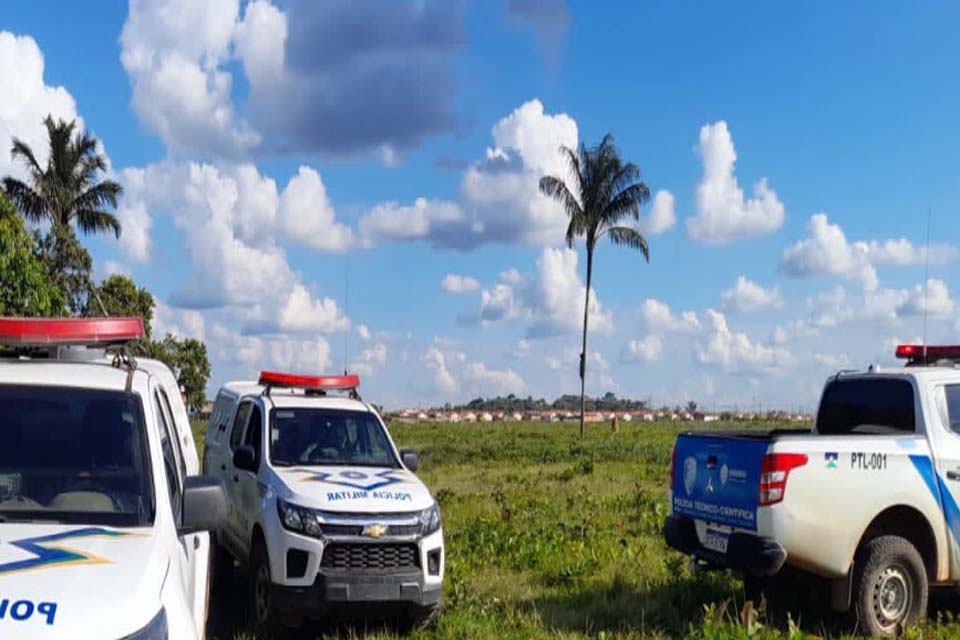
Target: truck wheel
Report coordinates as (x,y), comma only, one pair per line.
(221,565)
(889,586)
(261,593)
(425,617)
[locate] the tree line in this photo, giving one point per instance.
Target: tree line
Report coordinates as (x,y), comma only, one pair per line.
(45,271)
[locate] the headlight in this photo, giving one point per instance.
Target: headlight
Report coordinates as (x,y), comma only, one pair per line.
(298,519)
(430,519)
(156,629)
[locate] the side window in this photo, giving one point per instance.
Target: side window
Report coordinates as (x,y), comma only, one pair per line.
(170,466)
(236,435)
(178,448)
(255,433)
(952,393)
(220,418)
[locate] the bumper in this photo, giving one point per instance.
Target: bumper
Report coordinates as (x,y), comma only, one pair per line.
(746,553)
(336,590)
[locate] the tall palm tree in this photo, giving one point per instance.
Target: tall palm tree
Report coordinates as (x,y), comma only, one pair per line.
(67,189)
(603,193)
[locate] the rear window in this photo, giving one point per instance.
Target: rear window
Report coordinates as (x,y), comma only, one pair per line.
(869,406)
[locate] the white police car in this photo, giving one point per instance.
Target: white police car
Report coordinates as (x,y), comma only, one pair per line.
(101,510)
(324,510)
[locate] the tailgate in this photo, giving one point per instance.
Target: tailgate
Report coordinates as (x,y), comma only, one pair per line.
(717,478)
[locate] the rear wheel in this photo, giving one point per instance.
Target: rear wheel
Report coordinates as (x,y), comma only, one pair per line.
(889,587)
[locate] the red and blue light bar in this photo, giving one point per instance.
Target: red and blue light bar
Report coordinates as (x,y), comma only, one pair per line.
(294,381)
(51,332)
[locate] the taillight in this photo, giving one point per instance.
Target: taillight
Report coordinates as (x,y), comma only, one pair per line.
(774,471)
(673,464)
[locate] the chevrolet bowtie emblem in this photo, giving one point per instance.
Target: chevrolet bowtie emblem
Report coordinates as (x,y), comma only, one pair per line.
(374,530)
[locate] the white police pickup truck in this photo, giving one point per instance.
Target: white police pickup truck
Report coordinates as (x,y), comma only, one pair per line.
(324,511)
(102,514)
(866,501)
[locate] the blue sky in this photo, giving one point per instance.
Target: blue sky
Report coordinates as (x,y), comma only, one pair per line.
(270,149)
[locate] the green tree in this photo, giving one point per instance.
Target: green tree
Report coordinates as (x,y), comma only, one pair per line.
(69,265)
(26,289)
(120,296)
(188,360)
(68,190)
(603,193)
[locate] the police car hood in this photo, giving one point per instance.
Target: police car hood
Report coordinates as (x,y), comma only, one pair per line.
(354,489)
(78,582)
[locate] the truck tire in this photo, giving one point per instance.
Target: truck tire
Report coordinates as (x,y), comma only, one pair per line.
(262,611)
(889,586)
(221,565)
(425,617)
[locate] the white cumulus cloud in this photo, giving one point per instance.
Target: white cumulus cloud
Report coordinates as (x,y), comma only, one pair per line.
(454,283)
(25,100)
(746,295)
(735,351)
(660,319)
(645,350)
(662,216)
(723,214)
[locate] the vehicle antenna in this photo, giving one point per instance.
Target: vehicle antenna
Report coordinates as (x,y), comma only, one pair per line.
(926,279)
(346,310)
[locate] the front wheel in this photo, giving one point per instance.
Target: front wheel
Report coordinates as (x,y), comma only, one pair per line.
(889,587)
(261,593)
(425,617)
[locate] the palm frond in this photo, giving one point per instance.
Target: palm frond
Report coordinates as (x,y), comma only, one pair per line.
(28,202)
(626,204)
(22,151)
(98,196)
(629,237)
(95,221)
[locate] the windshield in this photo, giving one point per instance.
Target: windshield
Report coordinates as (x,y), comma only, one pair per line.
(328,437)
(73,455)
(874,406)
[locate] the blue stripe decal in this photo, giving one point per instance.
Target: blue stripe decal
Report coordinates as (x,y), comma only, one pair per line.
(941,493)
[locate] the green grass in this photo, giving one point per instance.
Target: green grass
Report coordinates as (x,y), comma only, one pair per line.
(551,536)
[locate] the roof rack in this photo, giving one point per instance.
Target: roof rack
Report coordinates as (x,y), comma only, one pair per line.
(929,355)
(311,385)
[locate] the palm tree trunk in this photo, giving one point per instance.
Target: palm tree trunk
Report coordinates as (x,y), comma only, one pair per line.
(583,353)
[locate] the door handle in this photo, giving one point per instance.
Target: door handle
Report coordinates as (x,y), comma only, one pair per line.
(223,467)
(236,478)
(953,475)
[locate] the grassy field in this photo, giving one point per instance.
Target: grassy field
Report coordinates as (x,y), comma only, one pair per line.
(551,536)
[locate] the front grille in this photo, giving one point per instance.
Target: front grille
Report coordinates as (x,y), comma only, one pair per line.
(356,530)
(370,557)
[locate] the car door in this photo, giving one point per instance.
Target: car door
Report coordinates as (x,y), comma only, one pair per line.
(946,438)
(233,526)
(183,548)
(248,492)
(196,546)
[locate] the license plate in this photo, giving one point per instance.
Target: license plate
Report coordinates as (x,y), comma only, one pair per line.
(715,541)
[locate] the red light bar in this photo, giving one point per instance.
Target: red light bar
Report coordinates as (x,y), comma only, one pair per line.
(45,332)
(287,380)
(930,353)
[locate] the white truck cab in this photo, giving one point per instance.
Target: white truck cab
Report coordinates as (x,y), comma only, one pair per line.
(324,510)
(866,502)
(102,512)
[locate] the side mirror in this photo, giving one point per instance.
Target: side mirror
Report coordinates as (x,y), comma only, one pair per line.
(245,459)
(410,459)
(204,504)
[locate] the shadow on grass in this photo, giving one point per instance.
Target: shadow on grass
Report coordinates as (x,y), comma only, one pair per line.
(679,607)
(230,619)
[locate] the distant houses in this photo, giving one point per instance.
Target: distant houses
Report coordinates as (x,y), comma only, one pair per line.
(413,416)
